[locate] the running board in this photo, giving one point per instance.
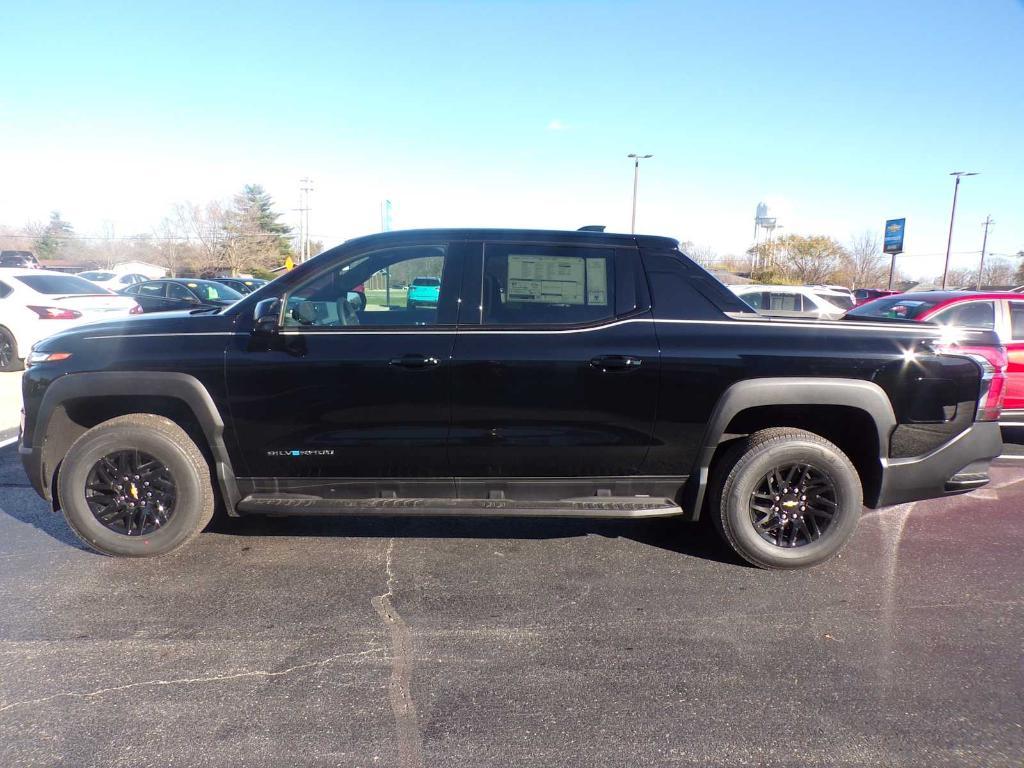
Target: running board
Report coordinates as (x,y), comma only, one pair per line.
(590,506)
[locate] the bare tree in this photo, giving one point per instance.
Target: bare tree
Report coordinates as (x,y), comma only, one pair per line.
(863,264)
(203,229)
(997,272)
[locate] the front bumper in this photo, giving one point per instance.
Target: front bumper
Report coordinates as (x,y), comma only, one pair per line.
(957,466)
(32,461)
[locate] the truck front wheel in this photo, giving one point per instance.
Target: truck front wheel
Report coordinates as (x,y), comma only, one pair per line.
(786,498)
(135,486)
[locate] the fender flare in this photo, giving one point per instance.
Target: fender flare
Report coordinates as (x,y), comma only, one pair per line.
(179,386)
(751,393)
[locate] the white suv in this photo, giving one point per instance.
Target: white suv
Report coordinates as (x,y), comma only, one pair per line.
(821,302)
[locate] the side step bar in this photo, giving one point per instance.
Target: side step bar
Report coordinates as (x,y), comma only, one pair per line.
(590,506)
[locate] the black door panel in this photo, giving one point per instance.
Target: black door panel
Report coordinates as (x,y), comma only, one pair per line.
(532,404)
(555,400)
(343,392)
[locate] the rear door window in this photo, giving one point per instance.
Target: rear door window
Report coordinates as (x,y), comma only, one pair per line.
(1017,320)
(547,285)
(786,302)
(972,314)
(151,289)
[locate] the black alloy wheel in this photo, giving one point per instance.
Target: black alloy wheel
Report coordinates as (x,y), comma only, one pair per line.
(131,493)
(6,352)
(793,505)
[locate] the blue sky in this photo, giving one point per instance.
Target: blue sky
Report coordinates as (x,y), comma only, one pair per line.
(521,114)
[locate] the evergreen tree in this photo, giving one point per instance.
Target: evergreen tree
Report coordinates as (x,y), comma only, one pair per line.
(254,236)
(54,237)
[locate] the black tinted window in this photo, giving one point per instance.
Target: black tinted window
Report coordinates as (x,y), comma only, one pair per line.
(541,285)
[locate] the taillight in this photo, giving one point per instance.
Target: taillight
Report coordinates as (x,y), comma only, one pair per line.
(993,362)
(56,313)
(136,310)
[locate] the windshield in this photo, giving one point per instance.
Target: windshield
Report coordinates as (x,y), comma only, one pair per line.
(894,308)
(60,285)
(427,282)
(96,275)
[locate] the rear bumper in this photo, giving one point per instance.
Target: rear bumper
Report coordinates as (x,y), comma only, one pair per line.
(958,466)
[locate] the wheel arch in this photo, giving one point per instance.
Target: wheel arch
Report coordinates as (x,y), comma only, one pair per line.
(75,403)
(826,406)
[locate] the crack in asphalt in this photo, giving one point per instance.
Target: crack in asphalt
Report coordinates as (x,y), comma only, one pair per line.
(410,742)
(187,680)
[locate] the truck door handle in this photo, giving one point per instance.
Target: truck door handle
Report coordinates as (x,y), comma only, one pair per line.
(415,362)
(615,363)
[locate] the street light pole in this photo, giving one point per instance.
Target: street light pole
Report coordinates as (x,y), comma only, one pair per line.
(636,177)
(984,243)
(952,218)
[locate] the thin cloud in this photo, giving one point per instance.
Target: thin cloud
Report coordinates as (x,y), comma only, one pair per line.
(557,125)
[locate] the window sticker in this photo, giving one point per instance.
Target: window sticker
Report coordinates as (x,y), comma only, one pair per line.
(551,279)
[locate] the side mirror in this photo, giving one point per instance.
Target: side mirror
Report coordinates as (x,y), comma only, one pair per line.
(266,317)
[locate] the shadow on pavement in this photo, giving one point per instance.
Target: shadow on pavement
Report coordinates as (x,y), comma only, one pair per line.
(19,501)
(694,539)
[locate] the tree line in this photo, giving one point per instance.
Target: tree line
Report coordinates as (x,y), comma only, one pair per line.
(823,260)
(245,236)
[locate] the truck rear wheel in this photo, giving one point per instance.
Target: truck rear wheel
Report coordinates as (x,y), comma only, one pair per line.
(135,486)
(786,498)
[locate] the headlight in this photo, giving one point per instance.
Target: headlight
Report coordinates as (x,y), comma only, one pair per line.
(34,358)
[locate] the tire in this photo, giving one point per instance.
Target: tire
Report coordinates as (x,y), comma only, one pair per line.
(9,359)
(796,530)
(144,435)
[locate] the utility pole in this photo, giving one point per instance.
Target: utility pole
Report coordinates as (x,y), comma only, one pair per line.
(636,177)
(952,218)
(984,242)
(305,187)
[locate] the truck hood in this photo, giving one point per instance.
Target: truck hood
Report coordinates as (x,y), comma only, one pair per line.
(162,323)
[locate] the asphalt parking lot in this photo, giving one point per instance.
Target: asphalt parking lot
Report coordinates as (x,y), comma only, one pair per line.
(353,642)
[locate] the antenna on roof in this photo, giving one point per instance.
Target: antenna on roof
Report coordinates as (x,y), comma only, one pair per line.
(592,228)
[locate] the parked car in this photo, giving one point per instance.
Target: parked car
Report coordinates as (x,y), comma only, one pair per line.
(35,303)
(596,375)
(423,292)
(114,281)
(18,260)
(864,295)
(795,300)
(179,293)
(244,285)
(1002,312)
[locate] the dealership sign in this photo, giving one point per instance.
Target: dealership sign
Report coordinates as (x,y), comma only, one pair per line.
(894,235)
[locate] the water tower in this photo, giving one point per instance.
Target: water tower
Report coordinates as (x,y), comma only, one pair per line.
(764,229)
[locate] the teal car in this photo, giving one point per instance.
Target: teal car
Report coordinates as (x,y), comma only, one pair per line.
(423,292)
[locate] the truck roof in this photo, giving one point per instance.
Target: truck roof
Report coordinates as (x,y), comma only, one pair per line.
(519,235)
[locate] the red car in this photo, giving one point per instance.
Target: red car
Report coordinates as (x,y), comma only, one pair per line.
(864,295)
(1001,312)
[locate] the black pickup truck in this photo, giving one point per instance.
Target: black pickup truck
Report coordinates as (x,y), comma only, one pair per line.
(556,374)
